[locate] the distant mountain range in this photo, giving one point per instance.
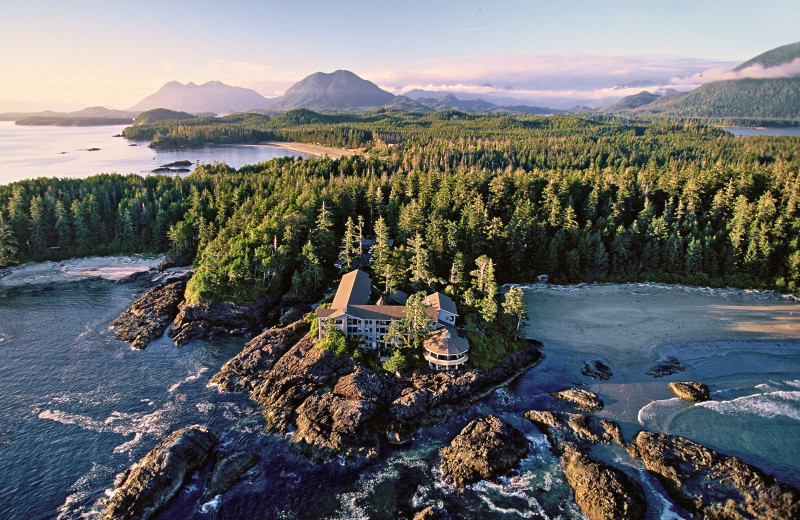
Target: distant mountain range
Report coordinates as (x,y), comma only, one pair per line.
(343,91)
(213,96)
(747,98)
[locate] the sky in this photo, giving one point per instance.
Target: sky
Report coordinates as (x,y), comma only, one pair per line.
(85,53)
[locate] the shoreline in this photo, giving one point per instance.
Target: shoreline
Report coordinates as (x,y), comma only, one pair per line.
(628,324)
(311,149)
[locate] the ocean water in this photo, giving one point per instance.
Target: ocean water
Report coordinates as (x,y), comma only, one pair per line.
(77,407)
(746,131)
(27,152)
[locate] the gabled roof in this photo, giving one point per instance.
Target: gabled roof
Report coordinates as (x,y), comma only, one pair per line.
(354,289)
(441,301)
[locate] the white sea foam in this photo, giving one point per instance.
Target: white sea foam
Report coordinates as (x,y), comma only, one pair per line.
(652,410)
(212,505)
(665,507)
(769,405)
(189,378)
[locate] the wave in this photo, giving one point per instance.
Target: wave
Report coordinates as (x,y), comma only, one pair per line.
(189,378)
(781,403)
(654,409)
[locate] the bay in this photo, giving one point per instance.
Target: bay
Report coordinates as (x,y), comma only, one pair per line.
(28,152)
(749,131)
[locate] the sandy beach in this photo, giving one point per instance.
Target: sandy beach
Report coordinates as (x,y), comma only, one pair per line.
(627,323)
(312,149)
(112,268)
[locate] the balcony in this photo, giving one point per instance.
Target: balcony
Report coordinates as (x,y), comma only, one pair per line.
(445,361)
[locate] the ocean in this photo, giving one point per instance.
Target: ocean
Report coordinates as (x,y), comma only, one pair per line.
(28,152)
(77,407)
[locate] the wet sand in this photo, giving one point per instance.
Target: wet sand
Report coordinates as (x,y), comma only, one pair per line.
(312,149)
(626,324)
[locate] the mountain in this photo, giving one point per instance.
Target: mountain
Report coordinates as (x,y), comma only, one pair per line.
(741,98)
(213,96)
(86,113)
(773,58)
(630,102)
(335,91)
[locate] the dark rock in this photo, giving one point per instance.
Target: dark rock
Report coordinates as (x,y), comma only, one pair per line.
(202,319)
(150,483)
(596,370)
(575,430)
(172,261)
(711,484)
(248,368)
(690,391)
(330,425)
(361,384)
(584,400)
(426,399)
(665,367)
(291,315)
(602,492)
(485,449)
(227,469)
(150,315)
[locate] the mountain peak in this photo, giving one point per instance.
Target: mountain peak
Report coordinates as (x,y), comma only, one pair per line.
(774,57)
(212,96)
(332,91)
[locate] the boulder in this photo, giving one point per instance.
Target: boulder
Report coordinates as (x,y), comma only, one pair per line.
(572,430)
(584,400)
(150,315)
(153,481)
(690,391)
(665,367)
(596,370)
(172,261)
(485,449)
(329,425)
(711,484)
(602,491)
(362,384)
(203,319)
(226,471)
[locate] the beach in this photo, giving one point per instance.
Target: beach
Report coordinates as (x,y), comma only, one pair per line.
(627,323)
(312,149)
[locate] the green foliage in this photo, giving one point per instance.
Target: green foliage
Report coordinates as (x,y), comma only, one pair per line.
(338,344)
(491,344)
(158,115)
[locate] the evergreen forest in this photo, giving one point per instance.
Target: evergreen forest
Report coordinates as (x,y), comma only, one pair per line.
(576,198)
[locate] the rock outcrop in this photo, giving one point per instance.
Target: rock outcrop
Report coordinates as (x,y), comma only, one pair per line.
(597,370)
(248,368)
(150,483)
(485,449)
(226,471)
(150,315)
(690,391)
(602,491)
(202,319)
(665,367)
(711,484)
(576,431)
(336,406)
(584,400)
(427,399)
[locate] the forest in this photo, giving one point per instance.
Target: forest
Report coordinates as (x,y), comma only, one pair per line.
(577,199)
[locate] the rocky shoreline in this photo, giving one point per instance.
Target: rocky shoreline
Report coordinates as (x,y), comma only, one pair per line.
(336,406)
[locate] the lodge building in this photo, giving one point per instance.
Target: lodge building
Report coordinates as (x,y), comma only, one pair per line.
(351,311)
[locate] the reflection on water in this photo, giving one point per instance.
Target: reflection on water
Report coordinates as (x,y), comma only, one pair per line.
(27,152)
